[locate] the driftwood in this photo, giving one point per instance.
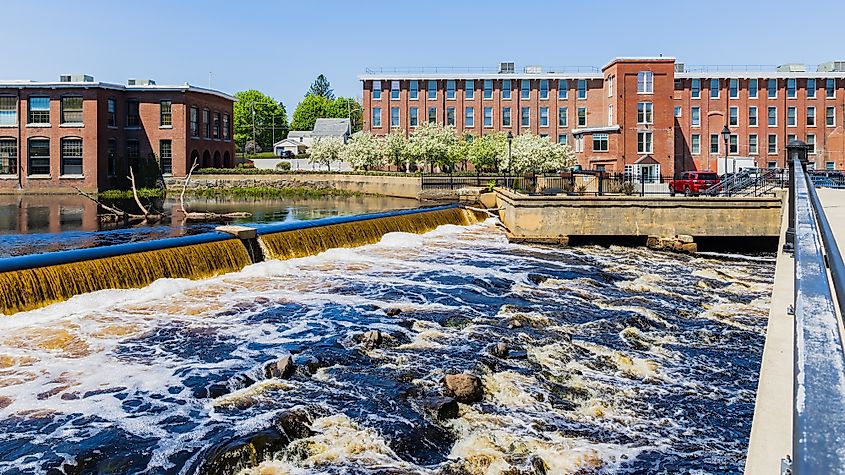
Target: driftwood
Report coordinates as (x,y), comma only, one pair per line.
(204,216)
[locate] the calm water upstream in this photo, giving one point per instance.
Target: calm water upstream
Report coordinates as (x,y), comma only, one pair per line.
(623,361)
(41,223)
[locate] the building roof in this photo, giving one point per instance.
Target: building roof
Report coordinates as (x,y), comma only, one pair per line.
(29,84)
(290,141)
(331,128)
(306,134)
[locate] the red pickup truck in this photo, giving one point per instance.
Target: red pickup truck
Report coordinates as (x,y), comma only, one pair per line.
(693,183)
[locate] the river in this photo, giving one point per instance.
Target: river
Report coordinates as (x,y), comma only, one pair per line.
(622,360)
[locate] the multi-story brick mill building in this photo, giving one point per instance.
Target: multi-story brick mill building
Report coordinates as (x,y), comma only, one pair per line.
(55,136)
(649,116)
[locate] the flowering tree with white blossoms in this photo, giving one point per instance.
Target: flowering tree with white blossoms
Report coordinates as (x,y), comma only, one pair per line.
(431,144)
(395,146)
(532,153)
(364,151)
(326,150)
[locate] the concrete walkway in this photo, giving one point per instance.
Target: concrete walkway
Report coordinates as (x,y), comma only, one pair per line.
(771,431)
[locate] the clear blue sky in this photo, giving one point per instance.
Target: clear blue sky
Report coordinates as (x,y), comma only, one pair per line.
(279,47)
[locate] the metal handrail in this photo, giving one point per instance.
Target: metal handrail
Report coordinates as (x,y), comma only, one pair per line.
(819,386)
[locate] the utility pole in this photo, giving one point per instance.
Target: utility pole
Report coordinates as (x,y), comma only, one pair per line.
(254,143)
(274,131)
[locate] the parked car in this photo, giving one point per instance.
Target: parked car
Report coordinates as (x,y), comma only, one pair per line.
(286,154)
(693,183)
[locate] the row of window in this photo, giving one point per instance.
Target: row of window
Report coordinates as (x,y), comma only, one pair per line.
(211,124)
(487,89)
(38,156)
(715,85)
(771,116)
(733,143)
(487,116)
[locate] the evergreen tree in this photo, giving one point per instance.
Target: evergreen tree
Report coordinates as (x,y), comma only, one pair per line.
(321,87)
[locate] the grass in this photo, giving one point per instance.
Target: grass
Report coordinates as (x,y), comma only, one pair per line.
(126,194)
(269,192)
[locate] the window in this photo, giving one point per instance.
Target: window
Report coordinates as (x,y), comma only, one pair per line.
(562,117)
(773,116)
(695,116)
(830,88)
(811,116)
(376,90)
(790,88)
(644,142)
(830,116)
(414,90)
(133,117)
(450,116)
(71,109)
(526,116)
(450,89)
(216,130)
(8,156)
(790,138)
(733,144)
(414,116)
(111,106)
(506,116)
(753,87)
(695,144)
(645,82)
(644,113)
(432,89)
(582,117)
(773,88)
(544,117)
(488,89)
(469,117)
(488,117)
(469,89)
(71,157)
(582,89)
(733,86)
(195,122)
(733,116)
(677,111)
(714,143)
(133,151)
(525,88)
(394,90)
(562,88)
(394,117)
(600,143)
(830,165)
(506,89)
(811,143)
(610,86)
(39,157)
(166,116)
(561,139)
(695,88)
(772,164)
(752,144)
(8,110)
(376,116)
(39,110)
(790,116)
(579,143)
(165,149)
(544,88)
(206,120)
(714,88)
(111,157)
(752,116)
(227,130)
(432,115)
(610,115)
(811,88)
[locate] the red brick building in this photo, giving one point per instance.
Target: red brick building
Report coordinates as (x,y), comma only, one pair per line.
(639,115)
(79,133)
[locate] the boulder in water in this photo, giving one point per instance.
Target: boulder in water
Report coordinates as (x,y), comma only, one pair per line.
(538,465)
(370,339)
(281,368)
(440,407)
(464,387)
(392,312)
(499,350)
(538,278)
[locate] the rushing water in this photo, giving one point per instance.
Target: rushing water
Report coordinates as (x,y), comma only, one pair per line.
(623,361)
(41,223)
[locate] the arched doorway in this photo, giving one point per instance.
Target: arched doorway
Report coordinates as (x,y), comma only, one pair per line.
(227,160)
(195,158)
(206,159)
(218,163)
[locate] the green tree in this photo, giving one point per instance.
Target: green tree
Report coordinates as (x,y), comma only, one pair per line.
(364,151)
(431,144)
(321,87)
(488,151)
(348,107)
(532,153)
(267,112)
(309,110)
(325,150)
(396,147)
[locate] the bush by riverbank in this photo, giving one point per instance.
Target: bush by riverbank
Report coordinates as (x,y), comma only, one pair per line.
(235,192)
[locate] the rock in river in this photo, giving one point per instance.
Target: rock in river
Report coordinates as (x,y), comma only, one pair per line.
(281,368)
(464,387)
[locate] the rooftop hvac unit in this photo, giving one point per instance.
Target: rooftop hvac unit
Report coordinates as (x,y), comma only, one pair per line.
(679,67)
(533,70)
(506,68)
(832,67)
(141,82)
(76,78)
(792,68)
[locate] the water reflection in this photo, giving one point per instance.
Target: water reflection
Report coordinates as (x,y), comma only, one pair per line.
(43,223)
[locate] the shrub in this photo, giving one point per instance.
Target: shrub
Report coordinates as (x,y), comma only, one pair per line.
(283,166)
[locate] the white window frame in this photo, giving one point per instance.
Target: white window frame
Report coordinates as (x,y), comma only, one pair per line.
(610,86)
(563,88)
(733,144)
(413,116)
(485,92)
(508,116)
(469,116)
(610,114)
(508,90)
(469,89)
(523,116)
(811,115)
(398,117)
(753,92)
(794,93)
(768,116)
(811,142)
(794,117)
(769,88)
(578,117)
(829,108)
(395,90)
(645,116)
(451,93)
(814,88)
(645,82)
(731,89)
(826,95)
(565,116)
(578,95)
(546,82)
(414,93)
(646,145)
(718,88)
(695,119)
(376,90)
(678,112)
(542,119)
(695,144)
(429,90)
(602,138)
(693,93)
(525,92)
(733,113)
(376,114)
(487,113)
(453,120)
(753,145)
(755,116)
(716,136)
(770,142)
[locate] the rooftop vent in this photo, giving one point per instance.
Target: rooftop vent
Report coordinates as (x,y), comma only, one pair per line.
(792,68)
(141,82)
(534,69)
(506,68)
(679,67)
(76,78)
(831,67)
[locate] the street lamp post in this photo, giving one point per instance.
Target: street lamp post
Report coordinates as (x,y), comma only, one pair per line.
(726,134)
(510,159)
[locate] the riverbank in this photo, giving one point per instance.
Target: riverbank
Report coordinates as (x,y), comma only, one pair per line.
(234,192)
